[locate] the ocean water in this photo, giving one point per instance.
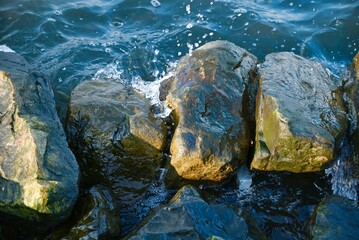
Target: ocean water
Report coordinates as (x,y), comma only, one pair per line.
(73,40)
(139,42)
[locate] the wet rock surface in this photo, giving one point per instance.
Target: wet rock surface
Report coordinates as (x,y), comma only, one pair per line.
(351,85)
(336,218)
(120,145)
(300,115)
(38,172)
(188,216)
(116,139)
(100,216)
(209,94)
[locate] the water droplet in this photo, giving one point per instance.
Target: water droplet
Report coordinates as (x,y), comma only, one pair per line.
(118,24)
(189,25)
(155,3)
(179,53)
(57,12)
(188,9)
(157,52)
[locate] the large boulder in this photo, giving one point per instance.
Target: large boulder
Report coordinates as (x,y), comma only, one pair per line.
(351,86)
(335,218)
(115,137)
(209,95)
(300,115)
(99,216)
(188,216)
(38,172)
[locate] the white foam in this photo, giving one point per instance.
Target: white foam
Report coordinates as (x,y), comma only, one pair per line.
(151,90)
(244,179)
(155,3)
(110,71)
(4,48)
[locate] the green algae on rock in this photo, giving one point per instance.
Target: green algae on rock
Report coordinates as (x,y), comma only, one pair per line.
(209,96)
(300,115)
(188,216)
(38,172)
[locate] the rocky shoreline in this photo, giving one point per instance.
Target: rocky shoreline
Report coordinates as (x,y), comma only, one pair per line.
(228,111)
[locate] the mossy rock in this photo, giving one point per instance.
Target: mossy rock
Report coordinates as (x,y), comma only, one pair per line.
(300,115)
(351,86)
(116,139)
(210,97)
(39,173)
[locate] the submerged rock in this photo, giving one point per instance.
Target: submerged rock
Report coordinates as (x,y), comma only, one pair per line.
(115,137)
(210,98)
(100,216)
(188,216)
(336,218)
(300,115)
(38,172)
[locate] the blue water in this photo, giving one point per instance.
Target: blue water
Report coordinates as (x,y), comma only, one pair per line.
(72,41)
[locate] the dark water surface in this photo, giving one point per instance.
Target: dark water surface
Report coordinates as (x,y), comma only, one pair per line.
(72,41)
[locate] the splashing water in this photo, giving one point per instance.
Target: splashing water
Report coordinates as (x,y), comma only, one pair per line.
(151,90)
(342,180)
(4,48)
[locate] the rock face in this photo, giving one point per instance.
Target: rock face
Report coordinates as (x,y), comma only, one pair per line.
(190,217)
(210,97)
(100,216)
(336,218)
(38,172)
(115,137)
(299,114)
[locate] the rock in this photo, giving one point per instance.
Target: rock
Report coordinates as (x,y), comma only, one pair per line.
(209,97)
(38,172)
(115,137)
(100,216)
(188,216)
(300,115)
(351,86)
(336,218)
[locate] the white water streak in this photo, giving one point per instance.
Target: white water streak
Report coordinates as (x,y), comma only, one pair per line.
(4,48)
